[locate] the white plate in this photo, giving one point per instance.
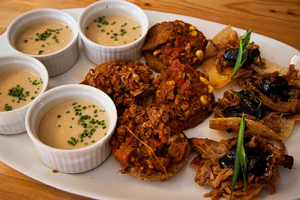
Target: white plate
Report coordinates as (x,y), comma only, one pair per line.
(104,182)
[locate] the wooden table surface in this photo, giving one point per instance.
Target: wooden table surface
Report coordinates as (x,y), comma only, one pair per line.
(273,18)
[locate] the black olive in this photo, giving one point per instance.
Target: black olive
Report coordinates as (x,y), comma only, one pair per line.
(228,160)
(257,160)
(279,83)
(230,55)
(265,86)
(252,55)
(279,89)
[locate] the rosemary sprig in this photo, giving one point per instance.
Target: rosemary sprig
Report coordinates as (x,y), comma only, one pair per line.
(240,157)
(242,54)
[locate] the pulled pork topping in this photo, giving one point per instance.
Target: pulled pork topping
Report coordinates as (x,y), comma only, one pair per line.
(279,93)
(279,96)
(216,160)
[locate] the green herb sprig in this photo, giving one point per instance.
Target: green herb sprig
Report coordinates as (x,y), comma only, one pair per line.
(240,158)
(242,54)
(240,95)
(259,105)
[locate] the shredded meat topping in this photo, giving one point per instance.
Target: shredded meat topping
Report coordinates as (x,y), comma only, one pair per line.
(211,172)
(126,82)
(275,103)
(148,141)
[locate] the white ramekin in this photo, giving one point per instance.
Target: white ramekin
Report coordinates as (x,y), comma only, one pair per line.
(13,122)
(77,160)
(98,53)
(57,62)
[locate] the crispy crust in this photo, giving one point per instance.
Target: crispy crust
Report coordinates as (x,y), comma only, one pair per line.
(232,124)
(220,38)
(219,80)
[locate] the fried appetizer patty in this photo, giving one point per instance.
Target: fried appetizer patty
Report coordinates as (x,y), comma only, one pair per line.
(187,91)
(216,162)
(173,40)
(126,82)
(149,144)
(270,103)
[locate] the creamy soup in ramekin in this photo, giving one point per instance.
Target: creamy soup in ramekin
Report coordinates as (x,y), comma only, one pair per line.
(18,88)
(73,124)
(44,38)
(114,30)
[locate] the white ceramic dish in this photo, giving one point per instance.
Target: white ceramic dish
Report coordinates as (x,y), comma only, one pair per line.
(104,182)
(57,62)
(98,53)
(77,160)
(13,122)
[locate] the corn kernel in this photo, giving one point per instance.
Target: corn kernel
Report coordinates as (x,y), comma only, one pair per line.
(152,76)
(130,69)
(158,93)
(204,80)
(210,89)
(181,23)
(188,81)
(203,99)
(193,33)
(192,28)
(171,82)
(156,52)
(200,55)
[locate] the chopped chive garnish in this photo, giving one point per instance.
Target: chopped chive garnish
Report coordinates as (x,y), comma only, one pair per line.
(242,53)
(240,158)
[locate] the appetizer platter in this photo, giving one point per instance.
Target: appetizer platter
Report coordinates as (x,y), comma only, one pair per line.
(104,181)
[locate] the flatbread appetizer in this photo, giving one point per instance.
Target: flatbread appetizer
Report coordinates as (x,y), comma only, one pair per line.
(221,56)
(271,104)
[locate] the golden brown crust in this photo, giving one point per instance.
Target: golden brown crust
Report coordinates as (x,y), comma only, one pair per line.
(232,124)
(222,37)
(219,80)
